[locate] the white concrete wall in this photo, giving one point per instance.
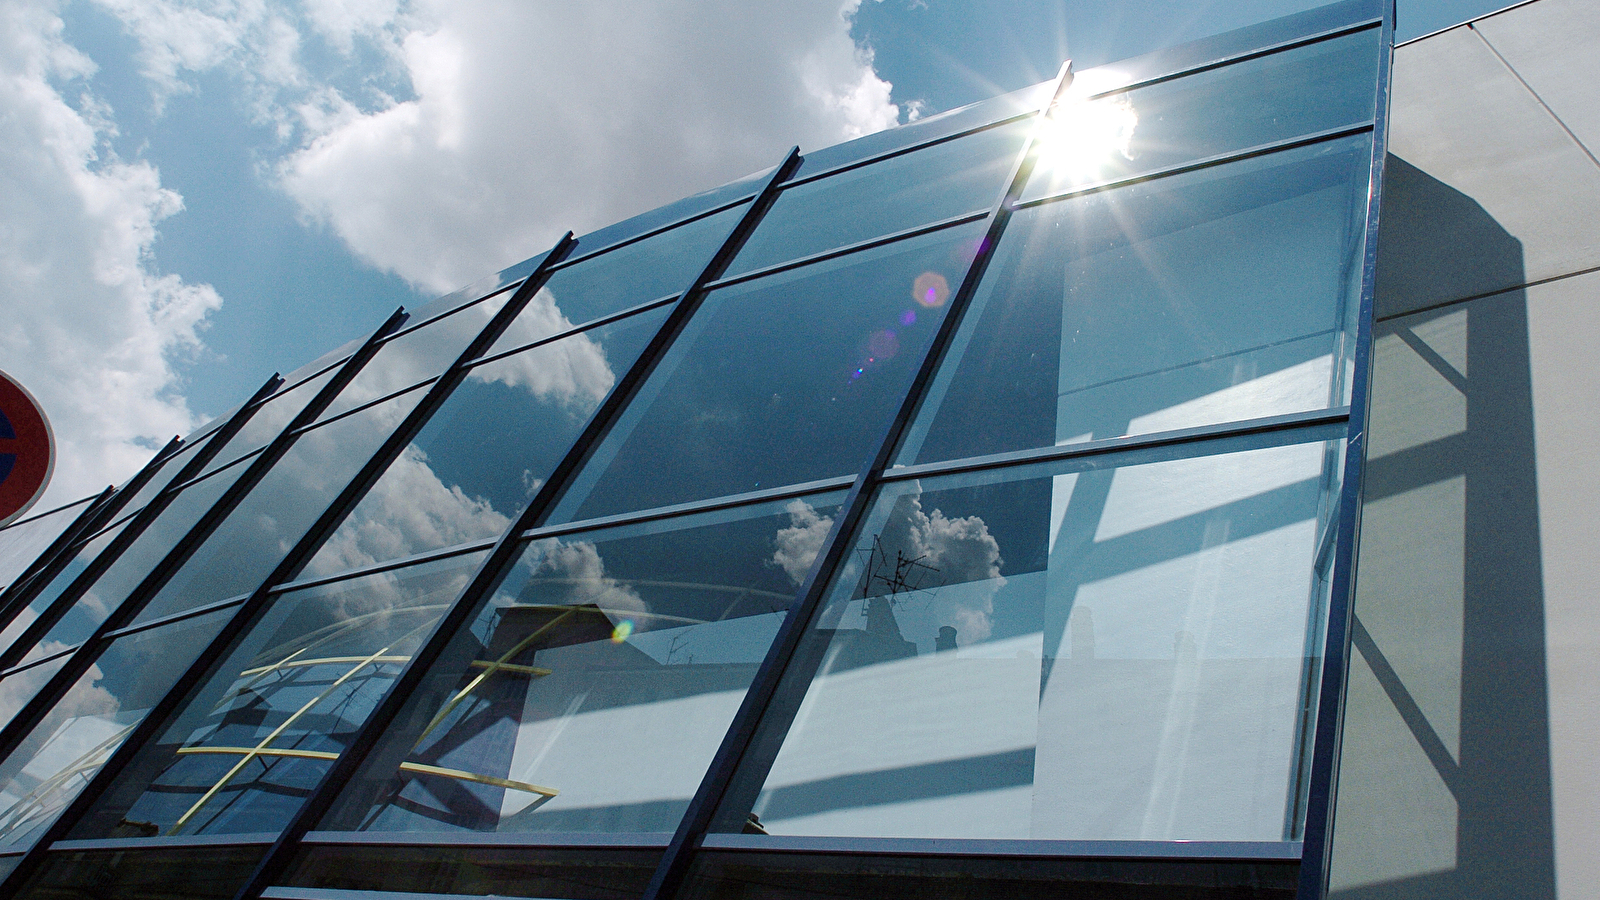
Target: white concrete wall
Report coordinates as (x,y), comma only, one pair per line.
(1473,715)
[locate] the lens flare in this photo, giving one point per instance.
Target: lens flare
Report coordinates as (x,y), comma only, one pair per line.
(908,318)
(930,290)
(1081,139)
(622,631)
(883,344)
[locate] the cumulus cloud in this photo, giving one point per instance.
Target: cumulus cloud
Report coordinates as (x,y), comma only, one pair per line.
(579,571)
(799,544)
(953,551)
(92,327)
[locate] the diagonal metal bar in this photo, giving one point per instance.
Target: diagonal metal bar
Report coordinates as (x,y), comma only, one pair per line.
(87,521)
(763,708)
(497,564)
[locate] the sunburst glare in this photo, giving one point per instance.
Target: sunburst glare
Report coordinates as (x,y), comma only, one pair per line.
(1084,140)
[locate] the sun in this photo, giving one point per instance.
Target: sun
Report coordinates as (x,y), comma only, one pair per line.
(1082,139)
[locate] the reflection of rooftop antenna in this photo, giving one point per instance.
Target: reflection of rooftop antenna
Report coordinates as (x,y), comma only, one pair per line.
(905,575)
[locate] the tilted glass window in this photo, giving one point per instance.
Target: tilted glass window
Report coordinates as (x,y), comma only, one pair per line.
(943,181)
(271,416)
(1068,650)
(22,542)
(1212,296)
(590,694)
(780,380)
(66,749)
(261,730)
(1318,87)
(488,449)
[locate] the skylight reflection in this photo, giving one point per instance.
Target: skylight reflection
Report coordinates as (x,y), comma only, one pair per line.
(1083,140)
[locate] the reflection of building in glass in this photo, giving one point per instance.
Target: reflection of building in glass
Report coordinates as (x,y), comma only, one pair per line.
(966,509)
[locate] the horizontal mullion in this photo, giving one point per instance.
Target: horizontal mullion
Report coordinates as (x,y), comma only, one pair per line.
(1127,443)
(1225,61)
(413,326)
(730,501)
(32,663)
(532,840)
(1287,851)
(137,627)
(1208,162)
(165,842)
(847,249)
(659,229)
(415,559)
(205,476)
(366,406)
(578,329)
(913,148)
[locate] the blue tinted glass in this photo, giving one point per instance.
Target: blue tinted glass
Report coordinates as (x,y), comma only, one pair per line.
(276,513)
(960,176)
(780,380)
(416,356)
(975,115)
(1192,300)
(134,563)
(1271,98)
(1068,651)
(45,598)
(488,448)
(272,716)
(592,690)
(588,289)
(269,419)
(672,212)
(22,542)
(66,749)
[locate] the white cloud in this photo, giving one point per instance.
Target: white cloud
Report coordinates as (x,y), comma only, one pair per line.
(799,544)
(91,326)
(529,119)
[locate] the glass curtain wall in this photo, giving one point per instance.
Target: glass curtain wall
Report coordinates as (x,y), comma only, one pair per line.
(966,491)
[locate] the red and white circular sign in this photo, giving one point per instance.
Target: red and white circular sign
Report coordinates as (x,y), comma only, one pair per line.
(27,450)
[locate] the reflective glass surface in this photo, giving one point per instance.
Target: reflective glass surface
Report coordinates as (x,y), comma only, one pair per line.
(653,268)
(591,692)
(66,749)
(1192,300)
(960,176)
(173,873)
(1271,98)
(1061,652)
(590,873)
(417,355)
(134,563)
(270,519)
(22,542)
(18,688)
(486,451)
(272,716)
(974,115)
(51,592)
(269,419)
(781,380)
(672,212)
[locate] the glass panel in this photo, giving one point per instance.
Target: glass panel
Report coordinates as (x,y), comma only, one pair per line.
(477,290)
(268,722)
(592,873)
(173,873)
(52,592)
(270,419)
(945,180)
(672,212)
(487,450)
(416,356)
(163,477)
(273,517)
(591,692)
(1063,652)
(638,273)
(974,115)
(18,688)
(1270,98)
(66,749)
(722,875)
(776,381)
(1192,300)
(135,563)
(22,542)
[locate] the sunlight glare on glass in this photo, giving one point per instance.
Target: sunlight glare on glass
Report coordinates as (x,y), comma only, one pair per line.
(1083,140)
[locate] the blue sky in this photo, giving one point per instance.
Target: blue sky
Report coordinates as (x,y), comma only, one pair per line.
(202,192)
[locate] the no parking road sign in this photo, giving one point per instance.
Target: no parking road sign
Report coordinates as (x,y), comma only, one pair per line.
(27,450)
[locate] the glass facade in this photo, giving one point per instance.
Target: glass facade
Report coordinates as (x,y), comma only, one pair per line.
(959,511)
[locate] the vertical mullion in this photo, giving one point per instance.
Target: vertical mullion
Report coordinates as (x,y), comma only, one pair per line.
(79,663)
(1336,649)
(504,553)
(130,533)
(257,603)
(674,866)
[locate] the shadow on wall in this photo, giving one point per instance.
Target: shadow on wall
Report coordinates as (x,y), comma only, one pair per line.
(1444,787)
